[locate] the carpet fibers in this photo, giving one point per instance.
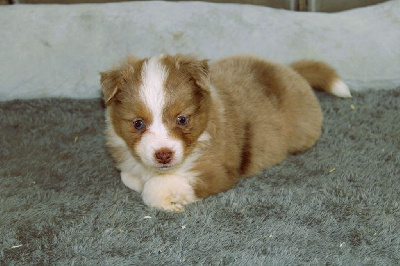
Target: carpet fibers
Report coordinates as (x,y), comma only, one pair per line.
(62,202)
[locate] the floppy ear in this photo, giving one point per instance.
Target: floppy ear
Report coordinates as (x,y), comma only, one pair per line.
(110,82)
(197,69)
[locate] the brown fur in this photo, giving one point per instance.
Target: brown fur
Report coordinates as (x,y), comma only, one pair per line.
(256,112)
(270,112)
(319,75)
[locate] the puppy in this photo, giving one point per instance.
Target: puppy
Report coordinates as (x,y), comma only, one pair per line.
(181,129)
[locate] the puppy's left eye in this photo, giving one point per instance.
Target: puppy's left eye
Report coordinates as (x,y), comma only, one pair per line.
(181,120)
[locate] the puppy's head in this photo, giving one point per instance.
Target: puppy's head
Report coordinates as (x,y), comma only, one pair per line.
(159,106)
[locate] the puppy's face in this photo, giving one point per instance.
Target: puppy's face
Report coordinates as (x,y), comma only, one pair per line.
(158,106)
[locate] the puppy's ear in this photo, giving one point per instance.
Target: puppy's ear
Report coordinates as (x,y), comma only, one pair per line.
(110,83)
(113,81)
(198,70)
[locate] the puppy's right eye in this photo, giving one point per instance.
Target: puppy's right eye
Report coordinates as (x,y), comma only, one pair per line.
(138,124)
(181,120)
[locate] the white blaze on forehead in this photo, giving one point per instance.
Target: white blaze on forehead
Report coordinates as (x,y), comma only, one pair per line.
(151,91)
(153,95)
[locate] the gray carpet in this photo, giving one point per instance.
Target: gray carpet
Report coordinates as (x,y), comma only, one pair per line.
(62,201)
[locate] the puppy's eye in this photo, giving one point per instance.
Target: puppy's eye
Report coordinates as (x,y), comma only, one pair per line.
(138,124)
(181,120)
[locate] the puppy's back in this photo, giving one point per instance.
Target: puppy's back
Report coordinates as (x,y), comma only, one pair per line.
(270,106)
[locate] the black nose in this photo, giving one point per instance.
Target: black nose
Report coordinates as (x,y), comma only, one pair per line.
(164,156)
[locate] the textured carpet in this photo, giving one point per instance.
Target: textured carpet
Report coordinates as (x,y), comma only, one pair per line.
(62,201)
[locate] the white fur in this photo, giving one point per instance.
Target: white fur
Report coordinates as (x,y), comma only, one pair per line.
(340,89)
(152,92)
(155,140)
(173,190)
(131,169)
(169,191)
(156,136)
(205,137)
(132,181)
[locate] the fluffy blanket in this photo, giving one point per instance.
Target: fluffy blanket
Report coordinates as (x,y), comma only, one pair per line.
(62,201)
(58,50)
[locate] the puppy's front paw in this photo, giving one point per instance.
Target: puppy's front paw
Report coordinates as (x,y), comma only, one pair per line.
(168,192)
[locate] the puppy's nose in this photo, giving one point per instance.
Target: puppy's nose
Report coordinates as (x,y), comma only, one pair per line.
(164,156)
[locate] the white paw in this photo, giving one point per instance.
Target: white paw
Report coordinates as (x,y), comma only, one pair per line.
(168,192)
(132,182)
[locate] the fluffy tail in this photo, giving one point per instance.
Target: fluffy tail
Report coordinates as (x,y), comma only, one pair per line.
(322,77)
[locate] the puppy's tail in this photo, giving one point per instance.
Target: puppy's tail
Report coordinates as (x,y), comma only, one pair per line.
(322,77)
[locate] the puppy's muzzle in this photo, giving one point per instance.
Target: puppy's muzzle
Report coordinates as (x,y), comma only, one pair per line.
(164,156)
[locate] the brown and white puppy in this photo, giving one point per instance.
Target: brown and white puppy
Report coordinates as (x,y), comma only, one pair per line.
(181,129)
